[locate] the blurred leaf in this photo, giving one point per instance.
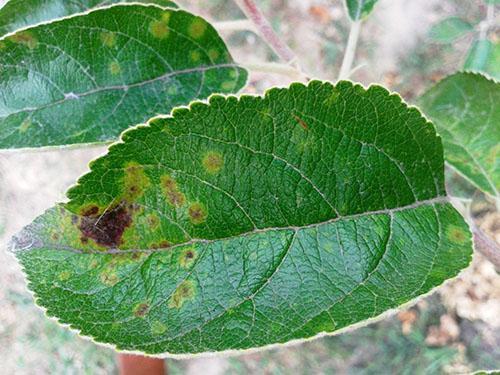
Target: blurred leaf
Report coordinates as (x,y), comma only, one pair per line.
(478,55)
(493,65)
(359,9)
(449,29)
(464,107)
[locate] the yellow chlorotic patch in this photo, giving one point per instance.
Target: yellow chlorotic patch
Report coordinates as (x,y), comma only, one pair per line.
(166,17)
(172,90)
(197,213)
(174,196)
(141,309)
(233,73)
(227,85)
(25,38)
(135,181)
(25,125)
(213,54)
(159,29)
(493,155)
(65,275)
(184,292)
(187,257)
(109,278)
(195,56)
(197,28)
(108,39)
(158,328)
(153,221)
(2,45)
(456,235)
(114,68)
(332,98)
(93,264)
(213,162)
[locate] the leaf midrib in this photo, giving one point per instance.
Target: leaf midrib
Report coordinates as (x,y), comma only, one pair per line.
(33,246)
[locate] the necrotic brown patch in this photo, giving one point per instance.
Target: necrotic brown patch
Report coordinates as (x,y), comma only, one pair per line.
(107,229)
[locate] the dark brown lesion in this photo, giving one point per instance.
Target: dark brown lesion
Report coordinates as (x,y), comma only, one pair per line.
(141,310)
(106,229)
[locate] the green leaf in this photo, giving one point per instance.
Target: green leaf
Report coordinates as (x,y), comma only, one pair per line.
(477,57)
(449,29)
(493,65)
(464,107)
(17,14)
(86,78)
(245,222)
(359,9)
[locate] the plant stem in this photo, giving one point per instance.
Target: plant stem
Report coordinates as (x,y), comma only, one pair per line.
(274,68)
(265,30)
(236,25)
(350,50)
(487,246)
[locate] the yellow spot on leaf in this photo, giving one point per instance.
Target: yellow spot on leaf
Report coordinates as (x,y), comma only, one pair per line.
(65,275)
(456,235)
(25,125)
(108,39)
(109,278)
(153,221)
(187,257)
(184,292)
(174,196)
(227,85)
(25,38)
(159,29)
(115,68)
(213,162)
(135,182)
(158,328)
(197,28)
(195,56)
(213,54)
(197,213)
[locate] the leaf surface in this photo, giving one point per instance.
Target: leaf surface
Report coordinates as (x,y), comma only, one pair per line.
(450,29)
(464,107)
(359,9)
(86,78)
(246,222)
(17,14)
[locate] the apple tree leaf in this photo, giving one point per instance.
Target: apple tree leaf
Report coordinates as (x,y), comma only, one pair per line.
(464,108)
(86,78)
(245,222)
(17,14)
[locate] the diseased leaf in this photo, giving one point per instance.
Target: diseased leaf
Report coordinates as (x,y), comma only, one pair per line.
(449,29)
(478,55)
(464,107)
(359,9)
(247,222)
(17,14)
(86,78)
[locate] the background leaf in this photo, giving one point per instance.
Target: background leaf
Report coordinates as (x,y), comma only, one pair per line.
(449,29)
(478,55)
(465,109)
(359,9)
(17,14)
(87,78)
(252,221)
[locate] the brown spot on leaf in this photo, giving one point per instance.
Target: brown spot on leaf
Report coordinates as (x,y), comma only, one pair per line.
(187,257)
(184,292)
(301,122)
(90,210)
(174,196)
(197,213)
(141,310)
(213,162)
(107,229)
